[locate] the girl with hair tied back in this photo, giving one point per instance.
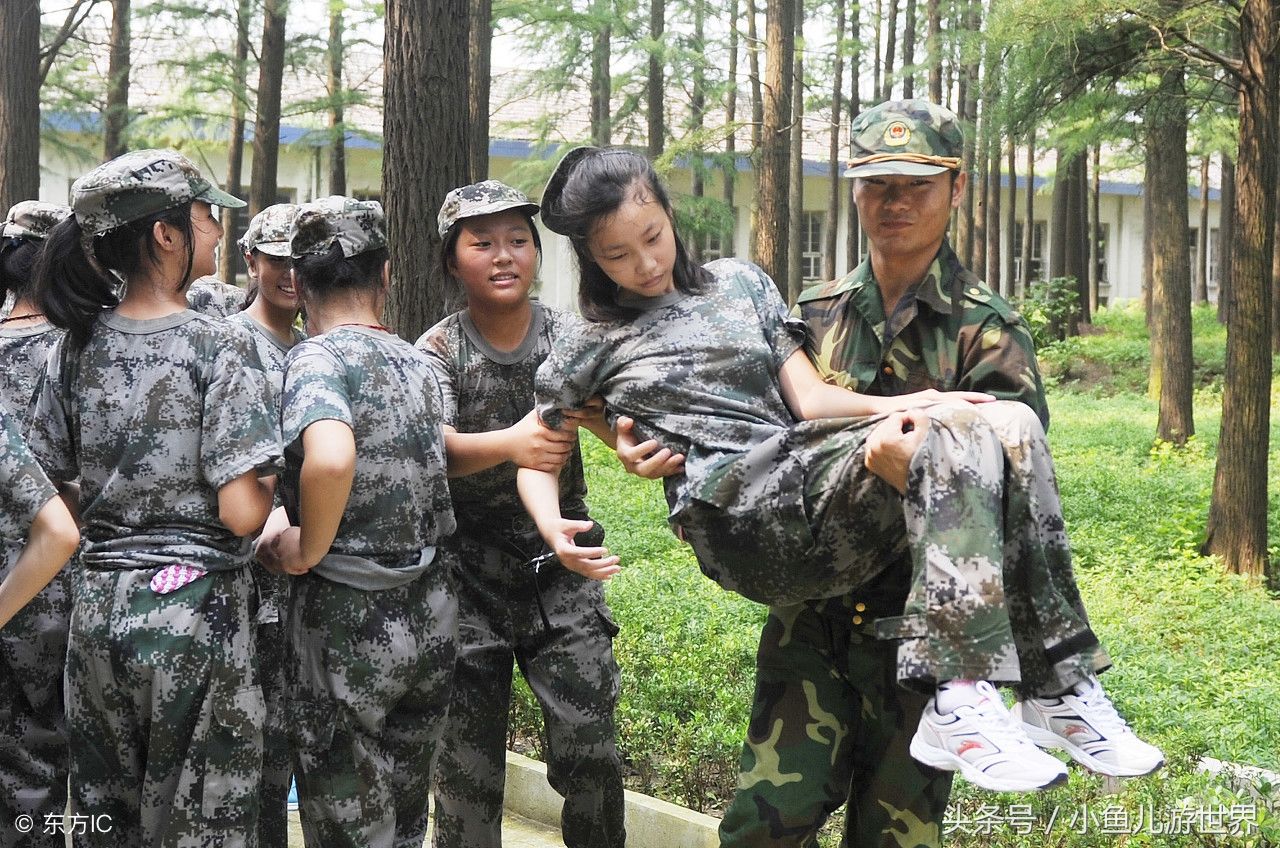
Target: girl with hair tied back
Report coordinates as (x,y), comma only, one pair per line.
(372,616)
(161,415)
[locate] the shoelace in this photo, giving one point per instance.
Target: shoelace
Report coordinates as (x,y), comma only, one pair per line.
(994,717)
(1101,711)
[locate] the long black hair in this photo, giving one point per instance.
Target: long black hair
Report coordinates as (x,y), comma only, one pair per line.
(590,184)
(17,258)
(328,273)
(71,291)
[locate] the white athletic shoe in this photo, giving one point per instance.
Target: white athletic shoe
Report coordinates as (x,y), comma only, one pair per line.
(986,744)
(1087,726)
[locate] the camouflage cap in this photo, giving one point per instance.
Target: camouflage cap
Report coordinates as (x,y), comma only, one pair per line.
(33,219)
(357,225)
(912,137)
(483,198)
(139,184)
(269,230)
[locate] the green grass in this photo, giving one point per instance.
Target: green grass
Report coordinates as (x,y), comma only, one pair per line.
(1195,650)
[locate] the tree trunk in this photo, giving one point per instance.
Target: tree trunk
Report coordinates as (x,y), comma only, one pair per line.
(337,129)
(698,92)
(654,88)
(994,277)
(601,78)
(853,238)
(1148,287)
(981,201)
(1202,236)
(772,212)
(1078,240)
(230,262)
(890,46)
(877,80)
(969,81)
(1029,214)
(833,158)
(1095,228)
(426,51)
(1010,225)
(909,51)
(730,142)
(934,14)
(795,166)
(757,96)
(479,73)
(1058,223)
(20,101)
(266,131)
(1237,528)
(1226,234)
(115,119)
(1166,120)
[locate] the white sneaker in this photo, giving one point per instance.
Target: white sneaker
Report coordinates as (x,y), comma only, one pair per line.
(1087,726)
(986,744)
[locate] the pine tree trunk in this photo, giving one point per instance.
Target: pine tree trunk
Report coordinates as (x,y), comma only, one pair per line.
(877,66)
(757,95)
(730,143)
(890,46)
(1148,287)
(1202,237)
(1078,240)
(968,99)
(231,262)
(1095,228)
(795,167)
(266,132)
(698,92)
(654,87)
(909,51)
(934,15)
(115,119)
(772,212)
(1058,223)
(1226,235)
(833,158)
(337,130)
(601,77)
(426,50)
(1237,529)
(19,101)
(1166,124)
(853,238)
(1028,213)
(479,74)
(994,274)
(981,202)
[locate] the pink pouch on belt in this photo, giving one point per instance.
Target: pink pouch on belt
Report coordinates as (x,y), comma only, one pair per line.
(171,578)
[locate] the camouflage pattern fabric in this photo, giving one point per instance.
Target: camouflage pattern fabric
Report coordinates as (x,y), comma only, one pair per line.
(482,198)
(33,646)
(154,416)
(369,683)
(33,219)
(553,623)
(953,333)
(357,225)
(138,184)
(269,230)
(24,352)
(210,296)
(273,593)
(912,137)
(164,710)
(381,387)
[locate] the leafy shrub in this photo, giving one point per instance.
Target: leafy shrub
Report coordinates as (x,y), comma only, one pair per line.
(1048,307)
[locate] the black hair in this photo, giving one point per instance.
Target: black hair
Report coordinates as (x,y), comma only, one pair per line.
(454,294)
(329,273)
(17,257)
(594,186)
(71,291)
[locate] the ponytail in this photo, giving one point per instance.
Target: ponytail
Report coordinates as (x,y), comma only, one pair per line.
(17,258)
(69,289)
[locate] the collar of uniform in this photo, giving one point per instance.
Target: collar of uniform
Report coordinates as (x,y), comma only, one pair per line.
(935,288)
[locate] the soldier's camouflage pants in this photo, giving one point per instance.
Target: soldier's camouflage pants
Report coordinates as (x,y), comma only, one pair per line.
(567,661)
(164,712)
(33,736)
(277,761)
(369,676)
(992,596)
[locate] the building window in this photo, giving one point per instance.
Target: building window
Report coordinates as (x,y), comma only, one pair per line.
(718,245)
(811,240)
(1038,230)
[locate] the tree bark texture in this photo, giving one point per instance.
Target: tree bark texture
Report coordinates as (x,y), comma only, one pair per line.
(890,47)
(1028,217)
(1237,528)
(1058,222)
(934,14)
(426,148)
(1226,234)
(601,78)
(994,276)
(833,186)
(266,129)
(909,51)
(230,261)
(479,72)
(115,119)
(757,83)
(1202,236)
(853,240)
(1010,225)
(772,190)
(655,88)
(795,168)
(1078,239)
(337,131)
(731,117)
(20,101)
(1095,228)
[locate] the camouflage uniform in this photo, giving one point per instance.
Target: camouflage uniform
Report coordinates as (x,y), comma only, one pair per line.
(33,648)
(211,296)
(553,622)
(163,706)
(373,627)
(829,723)
(273,591)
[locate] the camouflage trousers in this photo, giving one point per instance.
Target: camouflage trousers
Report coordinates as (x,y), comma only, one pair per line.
(33,736)
(369,676)
(277,760)
(164,712)
(567,660)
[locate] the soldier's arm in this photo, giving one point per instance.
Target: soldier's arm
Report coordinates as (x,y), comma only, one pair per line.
(540,494)
(997,356)
(51,542)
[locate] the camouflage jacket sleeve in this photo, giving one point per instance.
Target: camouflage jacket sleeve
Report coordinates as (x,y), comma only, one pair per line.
(573,371)
(315,389)
(997,356)
(439,346)
(239,430)
(26,489)
(49,429)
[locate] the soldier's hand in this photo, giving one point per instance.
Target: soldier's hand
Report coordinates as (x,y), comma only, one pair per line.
(595,563)
(535,445)
(645,459)
(893,443)
(591,412)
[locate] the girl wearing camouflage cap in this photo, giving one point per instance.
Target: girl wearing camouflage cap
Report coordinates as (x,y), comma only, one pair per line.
(163,417)
(371,618)
(514,604)
(33,647)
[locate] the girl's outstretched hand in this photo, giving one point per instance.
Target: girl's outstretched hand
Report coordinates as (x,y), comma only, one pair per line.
(645,459)
(536,445)
(595,563)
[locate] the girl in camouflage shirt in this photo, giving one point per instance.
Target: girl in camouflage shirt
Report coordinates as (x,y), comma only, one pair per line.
(162,415)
